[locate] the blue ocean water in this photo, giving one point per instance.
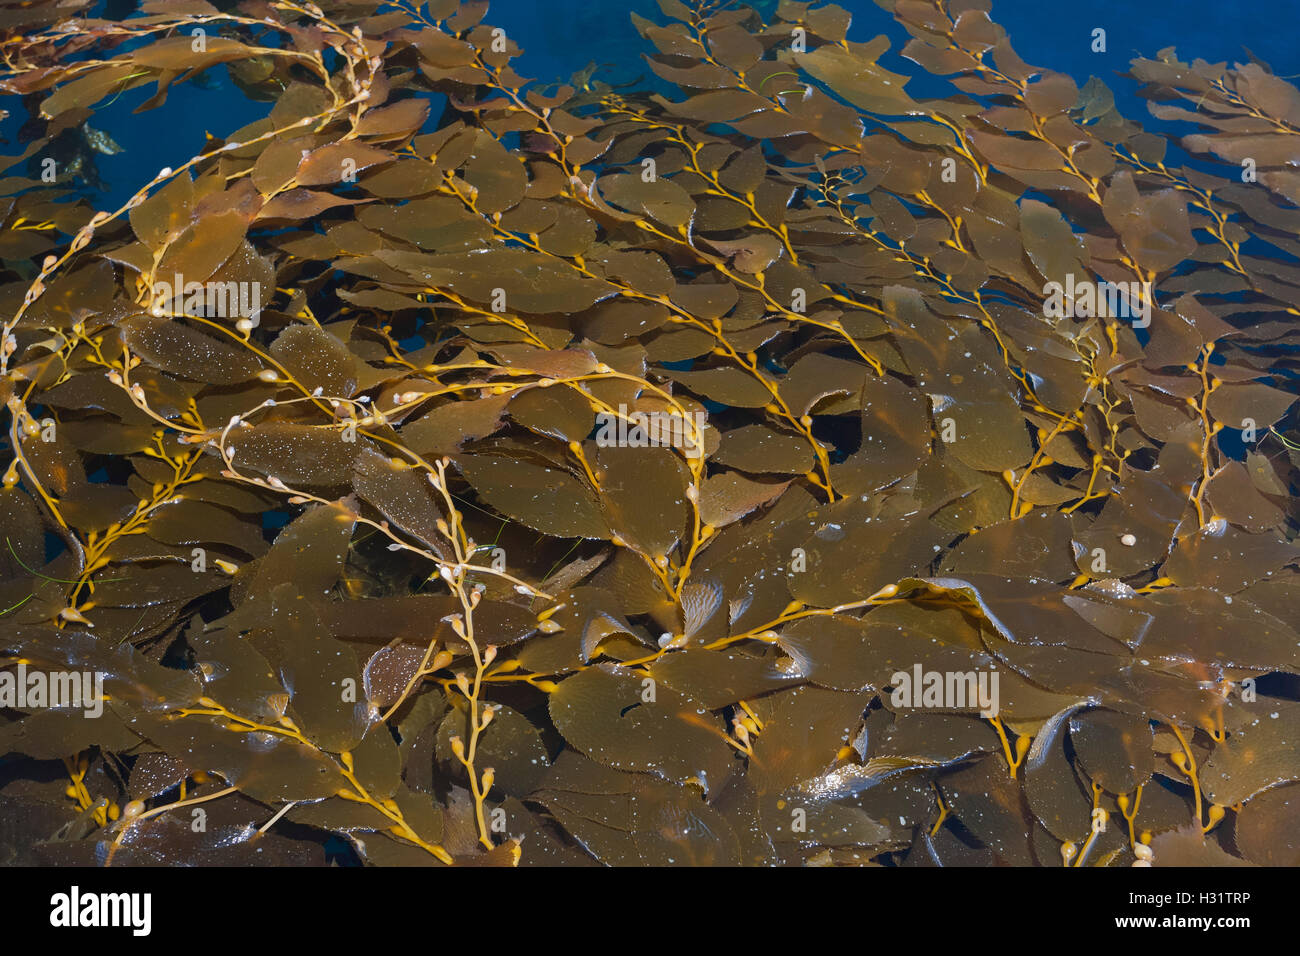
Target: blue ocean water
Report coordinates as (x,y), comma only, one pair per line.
(1055,34)
(562,36)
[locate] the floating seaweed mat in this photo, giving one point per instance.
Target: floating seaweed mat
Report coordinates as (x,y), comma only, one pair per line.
(775,468)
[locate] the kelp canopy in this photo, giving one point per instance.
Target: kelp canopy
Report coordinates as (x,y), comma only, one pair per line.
(581,476)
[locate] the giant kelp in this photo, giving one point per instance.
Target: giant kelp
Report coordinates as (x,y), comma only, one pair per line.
(587,463)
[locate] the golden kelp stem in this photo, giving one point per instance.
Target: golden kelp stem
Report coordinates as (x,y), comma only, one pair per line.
(1186,762)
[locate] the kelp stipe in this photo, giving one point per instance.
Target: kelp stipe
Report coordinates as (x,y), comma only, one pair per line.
(785,470)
